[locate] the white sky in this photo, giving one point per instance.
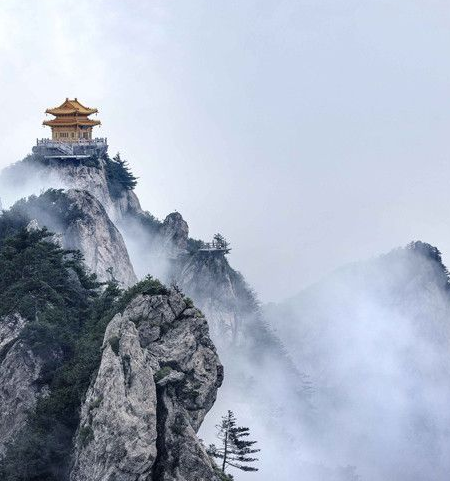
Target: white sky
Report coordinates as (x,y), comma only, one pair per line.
(310,133)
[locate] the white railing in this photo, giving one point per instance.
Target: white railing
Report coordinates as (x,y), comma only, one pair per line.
(58,143)
(215,246)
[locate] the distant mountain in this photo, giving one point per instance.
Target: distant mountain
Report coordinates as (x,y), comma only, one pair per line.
(374,340)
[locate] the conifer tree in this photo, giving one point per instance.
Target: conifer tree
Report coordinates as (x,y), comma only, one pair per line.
(235,449)
(220,242)
(119,175)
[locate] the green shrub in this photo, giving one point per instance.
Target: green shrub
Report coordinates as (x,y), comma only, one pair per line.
(162,373)
(86,435)
(114,342)
(148,286)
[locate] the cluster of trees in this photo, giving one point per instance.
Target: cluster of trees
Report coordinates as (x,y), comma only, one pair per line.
(52,208)
(67,315)
(67,310)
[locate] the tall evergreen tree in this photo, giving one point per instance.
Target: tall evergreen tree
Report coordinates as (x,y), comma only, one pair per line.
(235,449)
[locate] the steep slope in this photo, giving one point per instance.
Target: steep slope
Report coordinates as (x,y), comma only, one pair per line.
(227,300)
(83,224)
(163,249)
(105,178)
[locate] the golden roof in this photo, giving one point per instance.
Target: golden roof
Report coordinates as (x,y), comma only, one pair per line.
(71,107)
(70,121)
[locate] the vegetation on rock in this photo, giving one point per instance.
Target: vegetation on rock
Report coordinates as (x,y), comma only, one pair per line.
(67,314)
(119,175)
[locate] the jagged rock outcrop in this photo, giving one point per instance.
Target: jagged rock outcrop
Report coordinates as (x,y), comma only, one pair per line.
(80,222)
(90,175)
(173,235)
(162,247)
(158,377)
(94,234)
(218,290)
(94,180)
(19,371)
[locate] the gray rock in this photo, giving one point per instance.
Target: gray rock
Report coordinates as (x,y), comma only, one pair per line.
(158,378)
(95,235)
(19,371)
(218,290)
(174,234)
(94,180)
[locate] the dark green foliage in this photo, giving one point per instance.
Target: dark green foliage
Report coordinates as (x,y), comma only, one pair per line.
(147,286)
(193,245)
(149,223)
(119,176)
(52,208)
(85,435)
(114,342)
(235,450)
(219,242)
(67,317)
(36,280)
(162,373)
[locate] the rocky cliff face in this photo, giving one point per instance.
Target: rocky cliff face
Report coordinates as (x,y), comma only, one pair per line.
(19,371)
(163,249)
(219,291)
(158,377)
(90,175)
(81,223)
(95,235)
(148,386)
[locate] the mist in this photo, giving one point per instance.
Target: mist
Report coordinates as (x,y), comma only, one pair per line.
(373,339)
(281,124)
(349,380)
(311,134)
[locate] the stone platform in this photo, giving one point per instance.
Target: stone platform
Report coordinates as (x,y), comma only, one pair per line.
(54,149)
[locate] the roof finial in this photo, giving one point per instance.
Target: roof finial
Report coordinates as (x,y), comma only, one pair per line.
(67,99)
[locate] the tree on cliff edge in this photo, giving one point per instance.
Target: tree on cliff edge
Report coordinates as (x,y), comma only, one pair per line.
(235,449)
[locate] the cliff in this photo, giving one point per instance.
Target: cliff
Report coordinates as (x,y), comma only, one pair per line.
(162,248)
(82,223)
(100,384)
(90,203)
(157,379)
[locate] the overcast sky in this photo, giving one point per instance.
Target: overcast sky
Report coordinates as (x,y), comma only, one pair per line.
(310,133)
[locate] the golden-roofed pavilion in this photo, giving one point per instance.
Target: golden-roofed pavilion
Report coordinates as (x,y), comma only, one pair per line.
(71,122)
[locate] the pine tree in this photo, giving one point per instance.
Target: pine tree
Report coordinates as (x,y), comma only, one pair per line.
(220,242)
(119,175)
(235,449)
